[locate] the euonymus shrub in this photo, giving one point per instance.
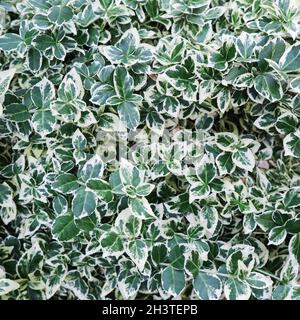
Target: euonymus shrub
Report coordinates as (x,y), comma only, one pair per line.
(149,149)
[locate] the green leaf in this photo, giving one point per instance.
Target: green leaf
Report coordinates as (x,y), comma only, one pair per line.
(129,284)
(205,122)
(5,193)
(42,94)
(138,253)
(295,85)
(87,16)
(273,50)
(129,223)
(159,253)
(214,13)
(206,89)
(244,158)
(17,112)
(34,59)
(93,168)
(8,213)
(258,281)
(226,140)
(110,122)
(59,51)
(101,93)
(5,79)
(281,292)
(295,295)
(207,286)
(289,62)
(171,105)
(155,122)
(125,48)
(198,190)
(144,189)
(173,281)
(44,42)
(7,285)
(224,100)
(265,121)
(290,270)
(225,163)
(64,227)
(123,83)
(209,215)
(291,144)
(116,183)
(87,223)
(10,42)
(294,247)
(65,183)
(55,280)
(286,123)
(40,4)
(292,225)
(79,140)
(235,289)
(30,261)
(43,122)
(245,45)
(112,244)
(181,77)
(141,208)
(41,21)
(127,101)
(269,87)
(128,50)
(203,4)
(60,14)
(129,174)
(277,235)
(193,263)
(292,198)
(60,204)
(83,203)
(206,172)
(129,114)
(101,188)
(219,59)
(176,257)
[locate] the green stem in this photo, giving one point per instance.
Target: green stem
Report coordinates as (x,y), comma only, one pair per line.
(267,274)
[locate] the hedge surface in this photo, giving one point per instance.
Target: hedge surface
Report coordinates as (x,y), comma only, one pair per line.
(149,149)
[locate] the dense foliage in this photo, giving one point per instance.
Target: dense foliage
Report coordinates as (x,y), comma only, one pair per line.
(149,149)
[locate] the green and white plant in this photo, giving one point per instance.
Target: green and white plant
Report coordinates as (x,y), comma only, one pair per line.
(149,149)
